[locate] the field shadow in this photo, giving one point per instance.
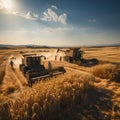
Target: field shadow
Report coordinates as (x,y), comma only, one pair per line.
(98,107)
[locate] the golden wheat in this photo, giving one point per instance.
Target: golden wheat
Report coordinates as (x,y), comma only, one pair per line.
(107,71)
(46,99)
(57,97)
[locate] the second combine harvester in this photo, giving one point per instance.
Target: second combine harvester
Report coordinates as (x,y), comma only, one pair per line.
(75,55)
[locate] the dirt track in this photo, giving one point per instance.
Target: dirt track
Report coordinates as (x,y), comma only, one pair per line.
(13,78)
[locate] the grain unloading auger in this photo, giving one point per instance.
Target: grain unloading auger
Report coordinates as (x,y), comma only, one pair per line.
(33,69)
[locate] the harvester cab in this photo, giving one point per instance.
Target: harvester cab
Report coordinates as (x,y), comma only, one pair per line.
(33,61)
(73,54)
(76,53)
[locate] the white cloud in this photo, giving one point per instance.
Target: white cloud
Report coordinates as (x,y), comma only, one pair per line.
(62,18)
(31,16)
(54,7)
(5,8)
(92,20)
(50,15)
(59,31)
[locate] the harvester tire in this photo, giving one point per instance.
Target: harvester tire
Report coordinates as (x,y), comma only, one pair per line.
(20,66)
(28,78)
(24,70)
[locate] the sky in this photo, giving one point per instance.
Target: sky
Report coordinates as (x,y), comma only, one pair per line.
(60,22)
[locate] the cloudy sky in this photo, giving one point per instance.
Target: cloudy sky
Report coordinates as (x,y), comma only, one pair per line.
(60,22)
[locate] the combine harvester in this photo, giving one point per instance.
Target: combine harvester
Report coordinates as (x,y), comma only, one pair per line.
(75,55)
(33,69)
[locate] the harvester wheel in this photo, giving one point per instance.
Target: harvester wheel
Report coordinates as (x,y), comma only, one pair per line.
(74,61)
(20,66)
(67,59)
(28,78)
(78,62)
(24,69)
(51,74)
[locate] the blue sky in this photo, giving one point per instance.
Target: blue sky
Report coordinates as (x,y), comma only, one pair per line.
(60,22)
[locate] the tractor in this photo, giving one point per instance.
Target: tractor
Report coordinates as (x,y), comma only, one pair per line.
(33,69)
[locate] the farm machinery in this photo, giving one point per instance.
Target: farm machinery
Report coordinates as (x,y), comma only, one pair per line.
(75,55)
(33,69)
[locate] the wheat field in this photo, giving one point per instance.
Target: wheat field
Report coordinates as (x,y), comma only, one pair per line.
(82,93)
